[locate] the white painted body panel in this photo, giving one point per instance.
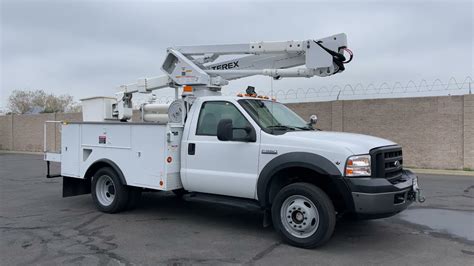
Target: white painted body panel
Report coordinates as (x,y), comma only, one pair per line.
(334,146)
(219,167)
(52,157)
(97,109)
(70,148)
(139,150)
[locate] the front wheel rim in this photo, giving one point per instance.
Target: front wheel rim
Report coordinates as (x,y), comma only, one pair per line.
(105,190)
(299,216)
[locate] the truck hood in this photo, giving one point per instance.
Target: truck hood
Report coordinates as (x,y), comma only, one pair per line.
(355,143)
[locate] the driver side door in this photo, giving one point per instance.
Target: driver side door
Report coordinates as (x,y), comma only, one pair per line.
(221,167)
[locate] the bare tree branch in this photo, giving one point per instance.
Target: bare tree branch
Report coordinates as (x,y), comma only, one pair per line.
(22,102)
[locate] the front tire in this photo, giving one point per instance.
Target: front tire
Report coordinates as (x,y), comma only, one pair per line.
(303,215)
(108,192)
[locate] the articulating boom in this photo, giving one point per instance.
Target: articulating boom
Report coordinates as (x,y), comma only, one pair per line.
(195,65)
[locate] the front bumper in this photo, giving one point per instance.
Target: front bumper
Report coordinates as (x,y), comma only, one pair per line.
(377,197)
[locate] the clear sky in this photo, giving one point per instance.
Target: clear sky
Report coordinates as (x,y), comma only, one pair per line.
(89,48)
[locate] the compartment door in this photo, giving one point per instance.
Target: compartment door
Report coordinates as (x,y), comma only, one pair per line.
(70,147)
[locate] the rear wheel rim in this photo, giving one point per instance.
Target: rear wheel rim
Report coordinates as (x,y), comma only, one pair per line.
(105,190)
(299,216)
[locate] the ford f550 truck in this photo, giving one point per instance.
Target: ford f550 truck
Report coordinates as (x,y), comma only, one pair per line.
(246,149)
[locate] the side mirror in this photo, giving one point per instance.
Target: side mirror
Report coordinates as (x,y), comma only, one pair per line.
(225,132)
(313,119)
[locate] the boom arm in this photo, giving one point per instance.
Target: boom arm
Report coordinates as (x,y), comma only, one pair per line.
(195,65)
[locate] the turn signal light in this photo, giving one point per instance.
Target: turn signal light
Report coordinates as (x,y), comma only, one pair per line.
(187,89)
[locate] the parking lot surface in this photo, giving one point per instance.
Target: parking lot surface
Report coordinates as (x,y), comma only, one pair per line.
(37,226)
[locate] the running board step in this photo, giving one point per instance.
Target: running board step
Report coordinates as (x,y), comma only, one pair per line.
(247,204)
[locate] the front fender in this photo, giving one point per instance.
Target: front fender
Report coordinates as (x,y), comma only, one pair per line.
(311,161)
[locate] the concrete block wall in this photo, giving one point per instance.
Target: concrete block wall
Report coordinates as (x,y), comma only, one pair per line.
(6,134)
(28,132)
(427,128)
(435,132)
(468,136)
(322,109)
(25,132)
(337,117)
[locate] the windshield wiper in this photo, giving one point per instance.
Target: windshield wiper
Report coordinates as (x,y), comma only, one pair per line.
(305,128)
(282,127)
(285,127)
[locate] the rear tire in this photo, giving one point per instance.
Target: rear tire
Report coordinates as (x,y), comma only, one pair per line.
(303,215)
(108,192)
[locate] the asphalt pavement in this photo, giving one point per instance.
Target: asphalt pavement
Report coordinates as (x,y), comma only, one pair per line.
(38,226)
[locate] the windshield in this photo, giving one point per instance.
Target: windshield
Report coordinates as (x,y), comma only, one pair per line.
(272,116)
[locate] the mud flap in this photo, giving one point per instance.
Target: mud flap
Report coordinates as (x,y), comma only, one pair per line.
(75,186)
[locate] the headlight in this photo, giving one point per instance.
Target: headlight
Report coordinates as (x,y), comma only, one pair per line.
(358,165)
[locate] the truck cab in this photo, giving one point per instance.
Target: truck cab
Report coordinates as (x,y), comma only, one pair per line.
(229,143)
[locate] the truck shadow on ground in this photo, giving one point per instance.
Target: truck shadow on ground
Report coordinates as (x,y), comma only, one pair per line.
(162,206)
(166,206)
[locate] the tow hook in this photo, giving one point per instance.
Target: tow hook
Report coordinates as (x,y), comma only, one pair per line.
(418,192)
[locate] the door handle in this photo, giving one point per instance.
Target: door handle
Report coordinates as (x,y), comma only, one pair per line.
(191,148)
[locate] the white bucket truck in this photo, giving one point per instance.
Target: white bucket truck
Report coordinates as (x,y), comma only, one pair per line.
(245,149)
